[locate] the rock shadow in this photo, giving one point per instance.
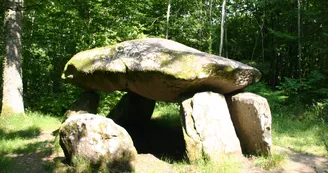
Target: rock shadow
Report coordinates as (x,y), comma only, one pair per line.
(163,141)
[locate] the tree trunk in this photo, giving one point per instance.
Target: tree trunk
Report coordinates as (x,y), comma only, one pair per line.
(226,41)
(299,60)
(222,25)
(210,41)
(168,18)
(262,31)
(12,101)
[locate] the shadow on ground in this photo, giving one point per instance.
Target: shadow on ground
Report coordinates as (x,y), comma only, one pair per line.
(156,138)
(32,156)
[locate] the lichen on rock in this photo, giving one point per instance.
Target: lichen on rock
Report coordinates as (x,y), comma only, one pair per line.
(157,69)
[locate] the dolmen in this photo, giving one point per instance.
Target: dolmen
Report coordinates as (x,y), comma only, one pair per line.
(217,117)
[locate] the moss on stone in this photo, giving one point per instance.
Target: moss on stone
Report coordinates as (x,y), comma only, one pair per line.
(73,128)
(102,126)
(84,61)
(178,64)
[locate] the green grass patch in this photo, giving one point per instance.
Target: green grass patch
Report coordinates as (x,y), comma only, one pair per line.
(269,162)
(18,137)
(300,135)
(167,114)
(226,164)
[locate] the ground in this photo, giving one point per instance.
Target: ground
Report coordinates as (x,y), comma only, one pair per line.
(41,161)
(302,163)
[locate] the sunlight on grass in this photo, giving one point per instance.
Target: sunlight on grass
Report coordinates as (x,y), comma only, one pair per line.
(270,162)
(226,164)
(18,135)
(32,119)
(300,136)
(168,113)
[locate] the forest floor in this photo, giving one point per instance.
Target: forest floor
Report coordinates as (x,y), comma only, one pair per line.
(44,160)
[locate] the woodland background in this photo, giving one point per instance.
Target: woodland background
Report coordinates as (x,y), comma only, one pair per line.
(285,39)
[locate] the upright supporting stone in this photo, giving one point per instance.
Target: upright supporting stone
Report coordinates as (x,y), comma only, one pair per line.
(251,117)
(87,103)
(132,109)
(207,127)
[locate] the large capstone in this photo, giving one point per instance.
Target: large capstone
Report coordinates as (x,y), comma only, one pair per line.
(207,127)
(98,140)
(251,117)
(157,69)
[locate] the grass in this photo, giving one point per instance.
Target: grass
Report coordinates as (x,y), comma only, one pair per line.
(18,134)
(226,164)
(300,135)
(18,137)
(270,162)
(168,113)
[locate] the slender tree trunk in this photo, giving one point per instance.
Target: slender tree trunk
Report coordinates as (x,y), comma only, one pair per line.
(168,18)
(262,31)
(223,14)
(299,60)
(210,39)
(226,41)
(12,101)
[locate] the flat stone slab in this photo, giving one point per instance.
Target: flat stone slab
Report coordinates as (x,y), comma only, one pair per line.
(157,69)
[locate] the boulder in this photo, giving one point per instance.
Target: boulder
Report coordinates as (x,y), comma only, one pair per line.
(157,69)
(132,109)
(99,140)
(87,103)
(207,127)
(251,117)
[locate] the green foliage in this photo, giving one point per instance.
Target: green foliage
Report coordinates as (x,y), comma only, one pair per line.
(307,95)
(318,111)
(167,114)
(312,83)
(108,101)
(276,99)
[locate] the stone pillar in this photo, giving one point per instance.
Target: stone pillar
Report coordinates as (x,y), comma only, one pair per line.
(87,103)
(132,109)
(207,127)
(251,117)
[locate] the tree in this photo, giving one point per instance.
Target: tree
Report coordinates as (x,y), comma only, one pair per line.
(12,98)
(299,68)
(168,18)
(211,23)
(223,14)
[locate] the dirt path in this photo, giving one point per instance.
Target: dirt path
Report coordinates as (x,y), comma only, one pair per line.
(37,162)
(302,163)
